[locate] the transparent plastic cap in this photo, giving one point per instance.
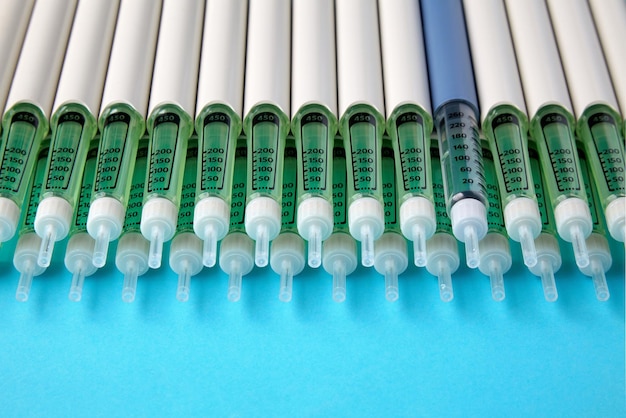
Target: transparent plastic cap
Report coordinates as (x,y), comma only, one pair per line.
(131,259)
(236,260)
(390,261)
(548,263)
(158,224)
(442,261)
(315,224)
(262,222)
(495,261)
(287,260)
(523,224)
(615,215)
(210,223)
(25,262)
(574,224)
(9,216)
(52,223)
(186,261)
(339,260)
(367,223)
(78,261)
(104,224)
(600,262)
(418,224)
(469,225)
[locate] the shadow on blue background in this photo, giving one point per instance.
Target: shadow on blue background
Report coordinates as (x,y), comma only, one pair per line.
(312,357)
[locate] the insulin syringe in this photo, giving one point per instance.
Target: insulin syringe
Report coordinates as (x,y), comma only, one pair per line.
(552,122)
(28,243)
(25,123)
(314,118)
(266,109)
(13,24)
(287,250)
(610,16)
(79,250)
(548,251)
(595,106)
(390,252)
(504,119)
(442,249)
(218,118)
(131,257)
(409,120)
(74,120)
(237,248)
(495,252)
(339,250)
(361,108)
(186,247)
(454,99)
(170,124)
(600,259)
(122,119)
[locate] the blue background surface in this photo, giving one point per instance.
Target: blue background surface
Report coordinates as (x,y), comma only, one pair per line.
(312,357)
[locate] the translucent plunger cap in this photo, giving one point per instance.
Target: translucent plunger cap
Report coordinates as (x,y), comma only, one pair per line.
(547,280)
(548,263)
(25,262)
(391,260)
(523,223)
(600,262)
(9,216)
(287,260)
(418,224)
(574,224)
(78,261)
(129,287)
(367,223)
(104,224)
(615,215)
(210,223)
(158,224)
(25,282)
(495,261)
(262,222)
(315,224)
(131,260)
(236,260)
(339,260)
(443,260)
(186,261)
(469,225)
(52,223)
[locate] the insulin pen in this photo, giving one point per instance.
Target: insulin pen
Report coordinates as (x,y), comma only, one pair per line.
(409,120)
(610,16)
(454,99)
(170,124)
(339,250)
(186,248)
(28,243)
(442,249)
(122,119)
(131,257)
(13,24)
(74,120)
(287,250)
(595,106)
(237,249)
(218,118)
(600,259)
(548,251)
(25,123)
(266,123)
(79,250)
(390,253)
(495,252)
(552,122)
(361,108)
(504,119)
(314,119)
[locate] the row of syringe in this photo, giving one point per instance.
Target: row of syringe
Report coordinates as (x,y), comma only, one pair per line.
(318,87)
(287,253)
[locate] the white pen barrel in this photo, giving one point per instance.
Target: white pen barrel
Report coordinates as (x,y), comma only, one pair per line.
(537,55)
(359,69)
(87,56)
(268,54)
(175,76)
(39,65)
(314,73)
(493,56)
(13,24)
(132,55)
(223,58)
(403,54)
(581,54)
